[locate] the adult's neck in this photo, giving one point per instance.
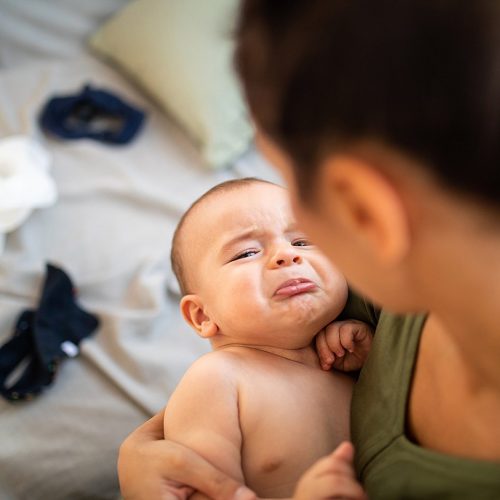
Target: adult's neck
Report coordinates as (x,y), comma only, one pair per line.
(458,277)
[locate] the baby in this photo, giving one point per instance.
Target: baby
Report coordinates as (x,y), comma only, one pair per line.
(259,406)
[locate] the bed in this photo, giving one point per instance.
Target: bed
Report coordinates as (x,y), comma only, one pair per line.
(110,229)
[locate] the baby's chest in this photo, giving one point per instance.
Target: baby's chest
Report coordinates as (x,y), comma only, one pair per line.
(288,424)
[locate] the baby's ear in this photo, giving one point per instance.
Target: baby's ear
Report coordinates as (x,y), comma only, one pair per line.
(193,311)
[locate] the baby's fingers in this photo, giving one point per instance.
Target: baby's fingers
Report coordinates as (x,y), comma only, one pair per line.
(332,334)
(326,357)
(347,335)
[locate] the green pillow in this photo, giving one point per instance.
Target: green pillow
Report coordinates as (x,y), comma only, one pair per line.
(180,53)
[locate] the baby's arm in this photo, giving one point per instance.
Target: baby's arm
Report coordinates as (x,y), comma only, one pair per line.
(202,414)
(344,345)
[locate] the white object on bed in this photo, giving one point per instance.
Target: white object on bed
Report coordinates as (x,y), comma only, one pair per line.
(25,182)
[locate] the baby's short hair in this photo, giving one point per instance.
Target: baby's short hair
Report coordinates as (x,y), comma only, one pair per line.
(176,254)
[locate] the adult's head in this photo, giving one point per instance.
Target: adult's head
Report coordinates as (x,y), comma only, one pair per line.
(248,275)
(384,117)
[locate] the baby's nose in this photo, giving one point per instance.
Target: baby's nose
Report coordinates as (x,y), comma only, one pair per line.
(286,256)
(283,261)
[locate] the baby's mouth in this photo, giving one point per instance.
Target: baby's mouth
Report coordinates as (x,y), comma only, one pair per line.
(294,287)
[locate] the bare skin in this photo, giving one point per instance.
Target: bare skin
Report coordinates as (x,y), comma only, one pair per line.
(269,402)
(450,411)
(260,291)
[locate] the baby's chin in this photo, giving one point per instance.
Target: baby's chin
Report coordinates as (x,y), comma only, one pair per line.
(294,329)
(314,317)
(319,307)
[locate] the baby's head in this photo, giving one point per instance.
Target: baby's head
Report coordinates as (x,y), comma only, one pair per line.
(248,275)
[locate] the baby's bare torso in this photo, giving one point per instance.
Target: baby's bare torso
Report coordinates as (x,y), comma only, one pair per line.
(290,414)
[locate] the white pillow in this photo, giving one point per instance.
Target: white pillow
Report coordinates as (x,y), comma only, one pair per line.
(180,52)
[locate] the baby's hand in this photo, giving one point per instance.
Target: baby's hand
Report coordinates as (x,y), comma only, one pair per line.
(344,345)
(331,477)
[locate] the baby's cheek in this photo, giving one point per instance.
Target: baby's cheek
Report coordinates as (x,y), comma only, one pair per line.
(234,291)
(245,308)
(244,278)
(247,293)
(336,288)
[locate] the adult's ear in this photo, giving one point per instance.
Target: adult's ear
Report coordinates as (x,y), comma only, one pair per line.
(369,205)
(193,311)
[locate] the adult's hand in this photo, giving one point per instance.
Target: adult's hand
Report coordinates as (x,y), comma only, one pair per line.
(331,477)
(151,468)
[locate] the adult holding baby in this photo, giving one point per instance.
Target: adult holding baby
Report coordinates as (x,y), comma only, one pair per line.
(384,119)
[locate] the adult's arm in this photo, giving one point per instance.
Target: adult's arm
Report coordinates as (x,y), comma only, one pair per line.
(151,468)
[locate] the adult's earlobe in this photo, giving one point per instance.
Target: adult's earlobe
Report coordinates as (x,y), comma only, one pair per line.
(368,205)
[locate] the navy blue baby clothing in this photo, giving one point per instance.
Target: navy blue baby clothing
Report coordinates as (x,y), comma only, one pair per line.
(93,114)
(43,337)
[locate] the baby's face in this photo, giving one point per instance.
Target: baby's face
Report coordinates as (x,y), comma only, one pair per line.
(261,280)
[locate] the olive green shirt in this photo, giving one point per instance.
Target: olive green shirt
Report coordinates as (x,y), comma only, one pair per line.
(388,463)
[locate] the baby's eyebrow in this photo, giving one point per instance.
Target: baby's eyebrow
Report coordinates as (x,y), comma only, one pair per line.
(251,233)
(241,236)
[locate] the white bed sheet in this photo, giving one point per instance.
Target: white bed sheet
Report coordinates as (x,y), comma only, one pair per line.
(111,231)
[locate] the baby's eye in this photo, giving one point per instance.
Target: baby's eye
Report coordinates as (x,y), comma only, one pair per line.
(301,243)
(245,254)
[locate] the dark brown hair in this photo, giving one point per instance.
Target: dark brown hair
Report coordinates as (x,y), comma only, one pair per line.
(176,253)
(422,76)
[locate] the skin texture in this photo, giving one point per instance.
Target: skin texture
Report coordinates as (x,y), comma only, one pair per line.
(240,246)
(235,276)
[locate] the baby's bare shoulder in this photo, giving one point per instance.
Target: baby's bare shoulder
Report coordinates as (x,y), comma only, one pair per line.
(216,365)
(214,373)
